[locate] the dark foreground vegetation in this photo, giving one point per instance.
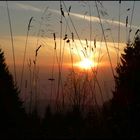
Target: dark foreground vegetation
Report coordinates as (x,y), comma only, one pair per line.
(118,117)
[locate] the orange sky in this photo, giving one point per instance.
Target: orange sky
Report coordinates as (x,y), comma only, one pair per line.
(88,27)
(46,56)
(46,52)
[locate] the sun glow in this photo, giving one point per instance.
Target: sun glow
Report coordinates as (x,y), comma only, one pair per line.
(86,64)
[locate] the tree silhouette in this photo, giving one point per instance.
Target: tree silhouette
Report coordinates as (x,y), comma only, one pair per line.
(12,116)
(128,74)
(126,96)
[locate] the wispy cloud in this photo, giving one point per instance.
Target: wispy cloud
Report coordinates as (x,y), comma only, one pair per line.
(20,6)
(27,7)
(95,19)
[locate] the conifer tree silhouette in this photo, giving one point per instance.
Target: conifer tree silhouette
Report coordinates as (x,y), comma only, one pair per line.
(126,97)
(12,113)
(128,75)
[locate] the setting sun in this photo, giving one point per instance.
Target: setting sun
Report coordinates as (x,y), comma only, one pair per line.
(86,63)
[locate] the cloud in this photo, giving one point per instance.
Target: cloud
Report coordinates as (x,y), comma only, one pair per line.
(95,19)
(28,7)
(20,6)
(81,16)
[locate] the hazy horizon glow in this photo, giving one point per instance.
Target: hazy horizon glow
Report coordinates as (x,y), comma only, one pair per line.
(84,52)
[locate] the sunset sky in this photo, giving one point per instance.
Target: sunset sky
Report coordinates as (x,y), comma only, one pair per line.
(46,17)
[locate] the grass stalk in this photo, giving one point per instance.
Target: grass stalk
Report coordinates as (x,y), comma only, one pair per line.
(105,39)
(12,42)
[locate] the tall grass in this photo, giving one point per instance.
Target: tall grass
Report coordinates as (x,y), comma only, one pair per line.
(105,40)
(131,20)
(80,92)
(118,54)
(60,51)
(30,85)
(26,42)
(52,71)
(12,41)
